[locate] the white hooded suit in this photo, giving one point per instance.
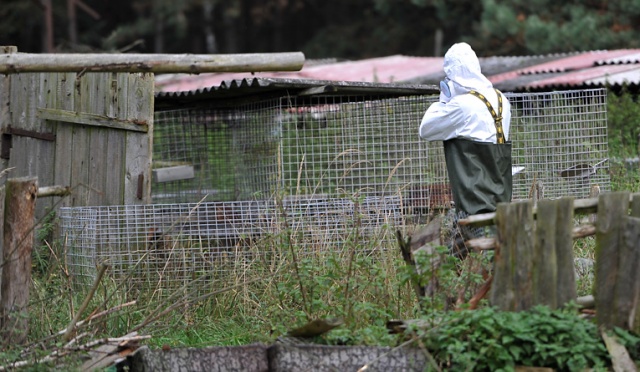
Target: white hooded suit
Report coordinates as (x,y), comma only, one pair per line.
(479,167)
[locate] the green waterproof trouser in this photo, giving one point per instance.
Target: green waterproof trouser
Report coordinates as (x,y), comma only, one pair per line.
(479,173)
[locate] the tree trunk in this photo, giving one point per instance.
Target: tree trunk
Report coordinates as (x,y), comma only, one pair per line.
(208,8)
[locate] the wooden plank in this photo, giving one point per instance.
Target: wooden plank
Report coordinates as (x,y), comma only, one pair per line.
(139,100)
(523,254)
(100,93)
(545,265)
(20,157)
(5,95)
(111,109)
(24,157)
(150,63)
(114,183)
(80,146)
(97,120)
(25,89)
(46,153)
(566,291)
(635,207)
(5,116)
(64,98)
(182,172)
(511,289)
(98,163)
(116,174)
(612,208)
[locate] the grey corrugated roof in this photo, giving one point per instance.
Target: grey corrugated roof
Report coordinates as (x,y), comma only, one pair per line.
(252,88)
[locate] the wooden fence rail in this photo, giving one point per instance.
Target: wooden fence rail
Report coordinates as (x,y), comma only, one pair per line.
(13,62)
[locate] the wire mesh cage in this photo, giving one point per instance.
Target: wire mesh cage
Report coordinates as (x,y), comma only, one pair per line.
(365,145)
(166,246)
(322,170)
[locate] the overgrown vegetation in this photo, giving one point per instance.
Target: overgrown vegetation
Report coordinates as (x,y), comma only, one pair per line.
(364,283)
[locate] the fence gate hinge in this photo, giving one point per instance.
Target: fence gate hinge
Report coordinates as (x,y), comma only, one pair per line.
(139,192)
(30,133)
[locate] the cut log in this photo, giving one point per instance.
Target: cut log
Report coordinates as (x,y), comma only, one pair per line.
(155,63)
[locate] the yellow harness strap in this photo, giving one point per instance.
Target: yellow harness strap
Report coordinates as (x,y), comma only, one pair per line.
(497,118)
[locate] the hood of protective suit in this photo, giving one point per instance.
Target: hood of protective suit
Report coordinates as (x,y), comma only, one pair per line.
(462,67)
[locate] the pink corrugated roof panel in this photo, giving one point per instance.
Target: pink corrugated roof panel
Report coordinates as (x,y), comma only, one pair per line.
(576,62)
(379,70)
(376,70)
(594,75)
(498,78)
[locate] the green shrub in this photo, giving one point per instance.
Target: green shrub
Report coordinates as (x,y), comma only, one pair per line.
(493,340)
(623,117)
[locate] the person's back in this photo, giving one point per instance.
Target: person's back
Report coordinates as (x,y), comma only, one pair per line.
(476,140)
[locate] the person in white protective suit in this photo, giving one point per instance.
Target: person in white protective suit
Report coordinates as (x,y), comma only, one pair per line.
(473,121)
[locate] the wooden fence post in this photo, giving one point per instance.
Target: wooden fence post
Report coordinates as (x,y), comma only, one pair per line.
(20,202)
(533,264)
(553,269)
(635,278)
(511,289)
(617,286)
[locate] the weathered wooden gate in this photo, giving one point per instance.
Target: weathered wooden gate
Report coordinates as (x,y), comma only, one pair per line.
(89,131)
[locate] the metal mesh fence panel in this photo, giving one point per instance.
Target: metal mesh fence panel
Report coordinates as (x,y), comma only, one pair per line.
(348,145)
(220,154)
(560,143)
(318,174)
(166,246)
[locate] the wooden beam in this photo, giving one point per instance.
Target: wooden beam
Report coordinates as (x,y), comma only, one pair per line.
(485,244)
(67,116)
(589,205)
(155,63)
(181,172)
(53,191)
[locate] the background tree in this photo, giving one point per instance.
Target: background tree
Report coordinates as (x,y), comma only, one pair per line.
(550,26)
(351,29)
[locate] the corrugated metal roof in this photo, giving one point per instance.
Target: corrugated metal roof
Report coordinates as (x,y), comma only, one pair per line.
(264,87)
(577,61)
(633,58)
(517,73)
(600,75)
(390,69)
